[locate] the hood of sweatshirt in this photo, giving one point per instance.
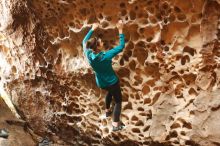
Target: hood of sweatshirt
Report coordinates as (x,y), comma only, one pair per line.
(97,56)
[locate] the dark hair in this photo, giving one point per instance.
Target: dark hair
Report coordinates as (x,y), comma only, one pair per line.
(92,43)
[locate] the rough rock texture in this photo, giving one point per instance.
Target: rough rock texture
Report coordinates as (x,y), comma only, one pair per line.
(169,69)
(17,134)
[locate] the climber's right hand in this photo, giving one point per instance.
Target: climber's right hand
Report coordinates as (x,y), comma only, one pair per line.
(120,26)
(95,26)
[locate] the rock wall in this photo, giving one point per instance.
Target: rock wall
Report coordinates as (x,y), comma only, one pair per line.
(18,136)
(169,69)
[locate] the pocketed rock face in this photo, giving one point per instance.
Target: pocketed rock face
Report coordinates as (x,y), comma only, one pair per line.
(169,69)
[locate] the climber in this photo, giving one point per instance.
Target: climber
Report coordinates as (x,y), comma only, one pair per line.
(106,78)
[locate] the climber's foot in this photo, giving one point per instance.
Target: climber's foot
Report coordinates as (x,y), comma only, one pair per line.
(105,116)
(119,126)
(108,113)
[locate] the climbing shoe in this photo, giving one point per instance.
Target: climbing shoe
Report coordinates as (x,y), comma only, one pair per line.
(119,127)
(108,114)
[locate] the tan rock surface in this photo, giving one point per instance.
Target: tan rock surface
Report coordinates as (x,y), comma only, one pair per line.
(17,135)
(169,69)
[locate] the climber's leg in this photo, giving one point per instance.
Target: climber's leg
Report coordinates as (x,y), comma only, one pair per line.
(115,91)
(108,100)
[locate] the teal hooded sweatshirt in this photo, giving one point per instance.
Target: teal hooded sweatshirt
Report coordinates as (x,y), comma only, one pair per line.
(102,61)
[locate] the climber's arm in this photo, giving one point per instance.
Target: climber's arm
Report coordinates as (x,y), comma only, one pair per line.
(87,37)
(113,52)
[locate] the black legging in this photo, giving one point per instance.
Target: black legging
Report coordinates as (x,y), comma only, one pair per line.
(115,91)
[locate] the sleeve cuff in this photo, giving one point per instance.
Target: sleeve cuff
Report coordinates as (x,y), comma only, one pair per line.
(121,35)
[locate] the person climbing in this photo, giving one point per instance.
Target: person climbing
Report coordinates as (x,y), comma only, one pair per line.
(106,78)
